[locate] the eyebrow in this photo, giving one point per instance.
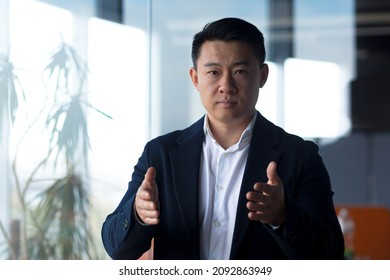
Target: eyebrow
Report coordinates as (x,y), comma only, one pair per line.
(240,62)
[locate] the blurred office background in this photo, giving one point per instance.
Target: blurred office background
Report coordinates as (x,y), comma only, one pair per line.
(84,84)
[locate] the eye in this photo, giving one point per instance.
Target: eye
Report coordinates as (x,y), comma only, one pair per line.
(240,72)
(213,73)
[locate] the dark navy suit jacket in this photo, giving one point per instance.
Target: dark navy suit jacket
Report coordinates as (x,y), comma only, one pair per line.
(311,230)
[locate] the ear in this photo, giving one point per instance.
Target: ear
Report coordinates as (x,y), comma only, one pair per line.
(263,74)
(194,77)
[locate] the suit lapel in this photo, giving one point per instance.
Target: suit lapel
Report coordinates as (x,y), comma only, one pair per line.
(261,152)
(185,161)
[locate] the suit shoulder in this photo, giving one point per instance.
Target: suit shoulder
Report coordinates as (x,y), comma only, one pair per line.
(176,137)
(295,142)
(166,138)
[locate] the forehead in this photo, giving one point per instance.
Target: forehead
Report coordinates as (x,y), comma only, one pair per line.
(222,50)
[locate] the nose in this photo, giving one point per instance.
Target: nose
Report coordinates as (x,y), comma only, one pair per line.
(227,84)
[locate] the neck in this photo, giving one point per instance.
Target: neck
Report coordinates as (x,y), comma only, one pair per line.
(227,134)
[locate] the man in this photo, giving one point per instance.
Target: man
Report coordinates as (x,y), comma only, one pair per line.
(232,185)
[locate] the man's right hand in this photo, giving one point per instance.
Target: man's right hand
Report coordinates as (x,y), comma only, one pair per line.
(146,199)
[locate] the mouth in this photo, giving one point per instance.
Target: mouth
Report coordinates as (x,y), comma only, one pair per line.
(226,103)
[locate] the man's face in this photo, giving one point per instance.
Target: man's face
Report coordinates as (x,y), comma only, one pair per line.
(228,78)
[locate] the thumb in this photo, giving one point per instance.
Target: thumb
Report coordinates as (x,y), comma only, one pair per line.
(150,175)
(272,175)
(149,182)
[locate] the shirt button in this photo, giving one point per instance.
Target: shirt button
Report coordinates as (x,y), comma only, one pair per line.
(217,223)
(220,188)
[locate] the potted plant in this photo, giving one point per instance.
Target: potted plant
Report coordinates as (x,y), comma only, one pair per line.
(54,224)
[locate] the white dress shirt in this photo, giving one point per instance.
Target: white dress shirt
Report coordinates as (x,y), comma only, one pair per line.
(221,173)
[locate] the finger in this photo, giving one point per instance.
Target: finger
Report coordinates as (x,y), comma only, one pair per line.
(262,188)
(151,221)
(148,213)
(256,216)
(272,175)
(147,205)
(147,193)
(258,197)
(148,216)
(255,207)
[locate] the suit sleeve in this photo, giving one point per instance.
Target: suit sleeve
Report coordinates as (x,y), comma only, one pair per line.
(311,230)
(123,236)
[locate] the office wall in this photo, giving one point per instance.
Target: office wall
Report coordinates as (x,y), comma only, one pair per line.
(359,168)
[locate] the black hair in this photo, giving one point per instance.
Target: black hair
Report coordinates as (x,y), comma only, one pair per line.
(229,29)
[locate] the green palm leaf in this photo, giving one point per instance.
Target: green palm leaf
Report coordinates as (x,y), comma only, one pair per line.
(61,227)
(69,130)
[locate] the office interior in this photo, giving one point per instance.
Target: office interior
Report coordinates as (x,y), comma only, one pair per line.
(121,67)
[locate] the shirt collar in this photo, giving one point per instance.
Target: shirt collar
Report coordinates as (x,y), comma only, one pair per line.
(245,138)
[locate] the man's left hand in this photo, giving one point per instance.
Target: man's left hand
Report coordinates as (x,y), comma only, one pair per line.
(266,202)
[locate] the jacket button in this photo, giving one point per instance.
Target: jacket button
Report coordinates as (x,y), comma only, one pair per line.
(293,237)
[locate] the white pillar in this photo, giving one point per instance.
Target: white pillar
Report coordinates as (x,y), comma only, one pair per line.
(4,158)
